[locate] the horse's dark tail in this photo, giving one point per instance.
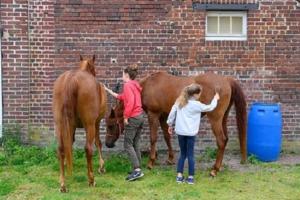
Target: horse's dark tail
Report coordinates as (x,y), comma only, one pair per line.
(68,119)
(239,101)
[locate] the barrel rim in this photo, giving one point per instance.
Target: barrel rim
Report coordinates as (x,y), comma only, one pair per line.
(258,103)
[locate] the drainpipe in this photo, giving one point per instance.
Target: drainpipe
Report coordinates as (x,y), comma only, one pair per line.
(1,111)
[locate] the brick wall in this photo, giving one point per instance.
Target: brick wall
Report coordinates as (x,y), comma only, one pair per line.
(42,56)
(158,35)
(15,63)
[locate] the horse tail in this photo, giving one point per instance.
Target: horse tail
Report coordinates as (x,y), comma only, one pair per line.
(239,101)
(68,119)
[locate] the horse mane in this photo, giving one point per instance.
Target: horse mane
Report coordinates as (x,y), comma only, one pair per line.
(89,67)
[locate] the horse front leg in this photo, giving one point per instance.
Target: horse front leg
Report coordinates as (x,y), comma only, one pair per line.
(98,144)
(90,136)
(153,119)
(221,140)
(167,137)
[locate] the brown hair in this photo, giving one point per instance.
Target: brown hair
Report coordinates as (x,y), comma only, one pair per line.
(132,71)
(187,93)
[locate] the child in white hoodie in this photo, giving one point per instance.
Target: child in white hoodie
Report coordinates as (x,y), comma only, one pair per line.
(185,115)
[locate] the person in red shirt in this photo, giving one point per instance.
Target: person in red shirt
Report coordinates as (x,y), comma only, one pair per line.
(133,119)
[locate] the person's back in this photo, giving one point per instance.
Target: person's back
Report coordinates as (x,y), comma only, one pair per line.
(186,115)
(189,117)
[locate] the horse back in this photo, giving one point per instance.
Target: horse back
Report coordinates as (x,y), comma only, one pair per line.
(212,83)
(76,92)
(160,91)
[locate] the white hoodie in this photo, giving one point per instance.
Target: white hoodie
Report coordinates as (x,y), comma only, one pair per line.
(187,118)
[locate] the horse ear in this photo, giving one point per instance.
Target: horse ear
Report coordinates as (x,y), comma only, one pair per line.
(81,58)
(94,58)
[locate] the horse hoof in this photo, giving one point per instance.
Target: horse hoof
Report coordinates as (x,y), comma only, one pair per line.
(170,162)
(150,166)
(92,184)
(243,162)
(213,173)
(63,189)
(101,170)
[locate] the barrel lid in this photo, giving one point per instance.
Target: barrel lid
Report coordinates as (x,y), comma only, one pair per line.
(266,104)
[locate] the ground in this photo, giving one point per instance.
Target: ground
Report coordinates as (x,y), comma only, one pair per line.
(32,173)
(290,155)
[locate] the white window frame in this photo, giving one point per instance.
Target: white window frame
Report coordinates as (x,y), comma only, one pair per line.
(242,36)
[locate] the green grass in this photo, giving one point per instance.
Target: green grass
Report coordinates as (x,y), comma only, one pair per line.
(40,180)
(29,172)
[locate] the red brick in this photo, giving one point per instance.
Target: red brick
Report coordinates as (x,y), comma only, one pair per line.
(162,35)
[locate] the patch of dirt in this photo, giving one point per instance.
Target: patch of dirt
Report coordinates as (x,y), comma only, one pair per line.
(232,161)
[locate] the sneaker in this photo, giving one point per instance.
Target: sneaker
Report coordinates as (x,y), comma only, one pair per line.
(134,175)
(190,180)
(180,179)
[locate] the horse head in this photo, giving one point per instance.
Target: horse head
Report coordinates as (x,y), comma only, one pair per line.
(88,64)
(114,124)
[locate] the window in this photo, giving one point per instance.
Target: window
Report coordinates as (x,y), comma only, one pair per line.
(225,25)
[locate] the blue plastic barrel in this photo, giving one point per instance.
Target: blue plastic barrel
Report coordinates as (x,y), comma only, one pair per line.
(264,131)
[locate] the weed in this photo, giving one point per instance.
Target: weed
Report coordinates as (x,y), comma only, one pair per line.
(209,154)
(252,159)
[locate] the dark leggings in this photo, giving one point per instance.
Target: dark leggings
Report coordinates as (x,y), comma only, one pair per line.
(186,144)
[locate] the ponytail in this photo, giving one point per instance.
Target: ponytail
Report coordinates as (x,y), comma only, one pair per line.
(183,98)
(187,93)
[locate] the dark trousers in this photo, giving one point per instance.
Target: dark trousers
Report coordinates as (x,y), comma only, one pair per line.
(132,140)
(186,144)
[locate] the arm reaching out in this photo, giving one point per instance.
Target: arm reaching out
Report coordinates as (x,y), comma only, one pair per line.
(110,92)
(206,108)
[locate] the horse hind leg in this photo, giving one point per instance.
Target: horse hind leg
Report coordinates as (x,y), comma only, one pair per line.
(61,157)
(98,144)
(90,137)
(153,124)
(221,140)
(167,137)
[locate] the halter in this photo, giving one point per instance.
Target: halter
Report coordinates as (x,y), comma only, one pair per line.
(119,123)
(120,126)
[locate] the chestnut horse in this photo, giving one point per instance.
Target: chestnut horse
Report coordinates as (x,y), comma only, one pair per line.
(78,102)
(160,90)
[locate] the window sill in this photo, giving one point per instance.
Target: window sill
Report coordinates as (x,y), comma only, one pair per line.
(214,38)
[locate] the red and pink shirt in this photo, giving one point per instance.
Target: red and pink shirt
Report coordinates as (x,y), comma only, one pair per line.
(131,96)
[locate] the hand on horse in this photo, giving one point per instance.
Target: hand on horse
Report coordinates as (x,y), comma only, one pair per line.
(110,91)
(217,96)
(106,88)
(125,121)
(170,130)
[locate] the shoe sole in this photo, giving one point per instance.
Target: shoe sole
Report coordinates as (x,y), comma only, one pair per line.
(190,183)
(132,179)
